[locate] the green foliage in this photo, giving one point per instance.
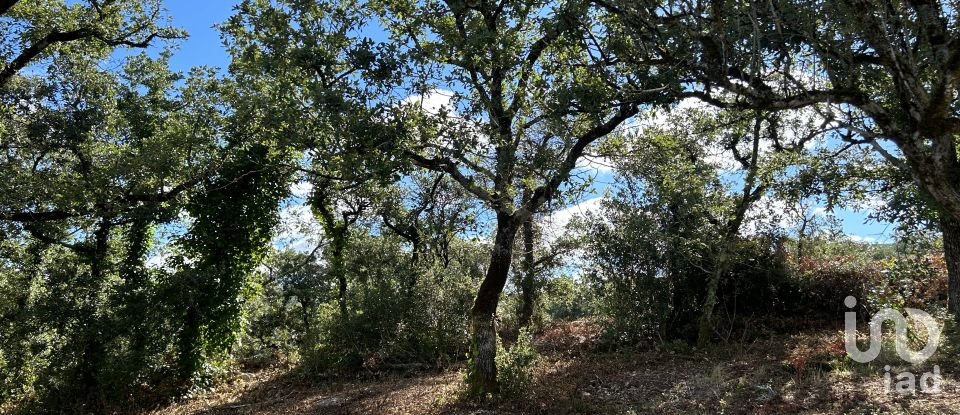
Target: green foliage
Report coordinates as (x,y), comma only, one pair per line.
(105,166)
(515,365)
(234,216)
(138,204)
(390,323)
(566,299)
(669,251)
(650,246)
(283,314)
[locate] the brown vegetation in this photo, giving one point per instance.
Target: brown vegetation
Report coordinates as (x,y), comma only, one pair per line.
(801,373)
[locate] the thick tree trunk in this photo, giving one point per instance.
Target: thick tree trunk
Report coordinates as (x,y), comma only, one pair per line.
(951,253)
(342,294)
(483,371)
(134,299)
(528,295)
(937,172)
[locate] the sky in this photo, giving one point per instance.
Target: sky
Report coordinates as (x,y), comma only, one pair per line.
(204,47)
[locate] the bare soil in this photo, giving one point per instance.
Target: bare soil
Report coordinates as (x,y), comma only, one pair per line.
(802,374)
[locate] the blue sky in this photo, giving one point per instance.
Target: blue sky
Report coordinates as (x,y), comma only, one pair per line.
(198,18)
(204,47)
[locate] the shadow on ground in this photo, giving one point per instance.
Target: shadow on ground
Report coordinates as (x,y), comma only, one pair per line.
(778,375)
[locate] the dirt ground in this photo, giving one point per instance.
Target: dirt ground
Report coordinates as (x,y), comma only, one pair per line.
(780,375)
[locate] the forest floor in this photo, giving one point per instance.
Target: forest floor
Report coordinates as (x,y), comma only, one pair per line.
(778,375)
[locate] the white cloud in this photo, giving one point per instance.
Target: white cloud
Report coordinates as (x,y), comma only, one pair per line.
(555,224)
(433,102)
(598,164)
(301,189)
(157,260)
(871,203)
(665,119)
(764,213)
(299,229)
(864,239)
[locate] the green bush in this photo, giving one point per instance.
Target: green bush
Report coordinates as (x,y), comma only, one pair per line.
(515,365)
(566,298)
(398,312)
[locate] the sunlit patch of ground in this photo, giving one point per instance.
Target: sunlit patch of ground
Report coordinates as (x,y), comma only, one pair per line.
(785,374)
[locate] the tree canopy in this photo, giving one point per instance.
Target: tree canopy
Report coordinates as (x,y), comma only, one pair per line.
(140,206)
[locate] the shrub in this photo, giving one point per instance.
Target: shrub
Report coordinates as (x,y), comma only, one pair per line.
(515,365)
(566,298)
(399,312)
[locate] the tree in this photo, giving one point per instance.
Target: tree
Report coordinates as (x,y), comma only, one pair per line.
(101,164)
(650,248)
(95,160)
(338,210)
(745,134)
(429,211)
(47,28)
(235,212)
(528,281)
(693,181)
(539,256)
(888,71)
(532,85)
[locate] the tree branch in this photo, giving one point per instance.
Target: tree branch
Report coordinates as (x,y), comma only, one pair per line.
(6,5)
(546,191)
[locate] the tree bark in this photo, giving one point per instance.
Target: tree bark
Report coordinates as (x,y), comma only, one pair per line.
(951,254)
(188,359)
(483,371)
(937,172)
(705,329)
(528,288)
(339,272)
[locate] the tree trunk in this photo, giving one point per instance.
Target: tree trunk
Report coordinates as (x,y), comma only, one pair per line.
(951,254)
(528,282)
(937,173)
(188,359)
(705,332)
(483,371)
(95,330)
(720,268)
(483,354)
(801,234)
(134,277)
(338,270)
(306,308)
(414,275)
